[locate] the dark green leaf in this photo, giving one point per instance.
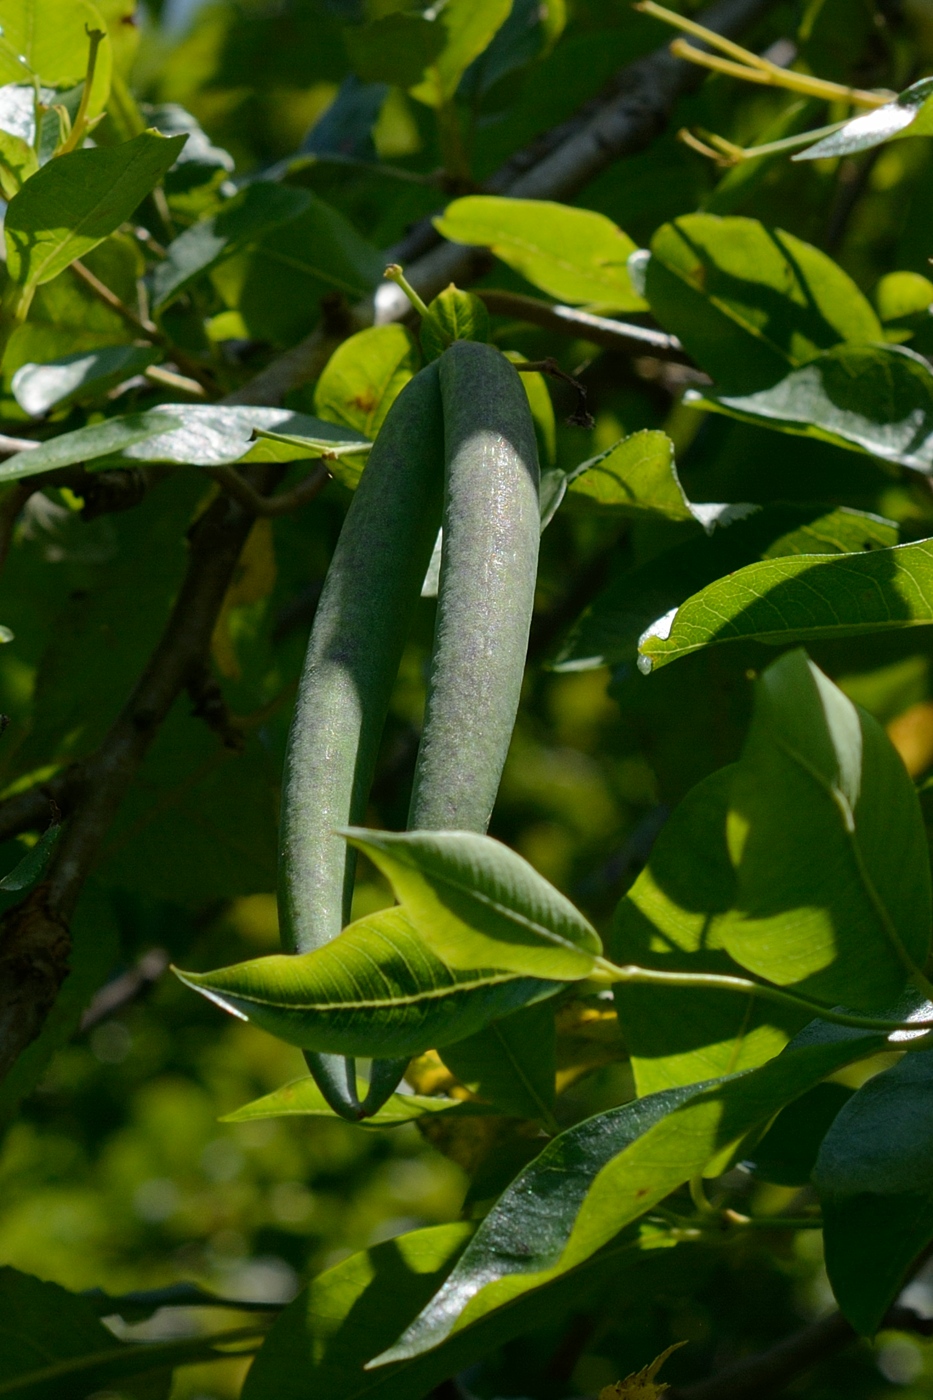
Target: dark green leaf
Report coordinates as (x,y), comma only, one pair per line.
(33,863)
(786,1155)
(511,1064)
(87,445)
(872,398)
(396,48)
(78,200)
(242,220)
(874,1174)
(376,990)
(751,302)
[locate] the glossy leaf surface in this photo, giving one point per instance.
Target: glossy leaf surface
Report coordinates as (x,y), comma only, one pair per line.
(610,629)
(478,904)
(598,1177)
(800,599)
(86,375)
(910,115)
(377,990)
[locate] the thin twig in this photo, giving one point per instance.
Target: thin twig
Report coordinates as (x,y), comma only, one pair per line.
(125,988)
(570,320)
(581,416)
(230,480)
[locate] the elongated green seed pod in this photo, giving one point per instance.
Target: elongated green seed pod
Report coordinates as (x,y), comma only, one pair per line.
(360,628)
(487,583)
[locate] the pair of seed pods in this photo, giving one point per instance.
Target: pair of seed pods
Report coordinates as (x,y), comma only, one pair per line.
(458,448)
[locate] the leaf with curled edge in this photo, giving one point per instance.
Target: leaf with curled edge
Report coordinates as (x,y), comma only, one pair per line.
(378,990)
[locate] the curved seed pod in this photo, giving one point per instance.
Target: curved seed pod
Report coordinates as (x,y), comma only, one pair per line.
(487,583)
(360,628)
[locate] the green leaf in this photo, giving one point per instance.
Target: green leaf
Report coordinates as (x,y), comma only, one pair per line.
(241,220)
(364,377)
(303,1099)
(876,399)
(378,990)
(827,840)
(511,1065)
(277,283)
(478,904)
(610,629)
(76,378)
(638,477)
(670,920)
(318,1347)
(875,1182)
(78,200)
(396,48)
(51,35)
(750,302)
(575,255)
(903,299)
(27,871)
(468,27)
(200,435)
(543,417)
(806,598)
(787,1153)
(596,1178)
(910,114)
(453,315)
(86,445)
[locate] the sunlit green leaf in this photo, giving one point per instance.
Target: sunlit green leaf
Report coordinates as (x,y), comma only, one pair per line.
(610,629)
(51,35)
(911,114)
(478,904)
(395,48)
(364,377)
(800,599)
(828,844)
(303,1099)
(453,315)
(750,302)
(671,920)
(574,254)
(78,200)
(377,990)
(468,27)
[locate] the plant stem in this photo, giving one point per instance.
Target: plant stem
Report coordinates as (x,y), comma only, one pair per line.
(81,125)
(394,273)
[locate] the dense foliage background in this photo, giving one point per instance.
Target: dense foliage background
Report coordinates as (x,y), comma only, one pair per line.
(115,1172)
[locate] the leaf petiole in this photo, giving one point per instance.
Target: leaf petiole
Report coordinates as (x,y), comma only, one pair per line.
(394,273)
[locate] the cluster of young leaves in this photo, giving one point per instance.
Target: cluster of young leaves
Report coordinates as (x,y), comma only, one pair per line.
(779,931)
